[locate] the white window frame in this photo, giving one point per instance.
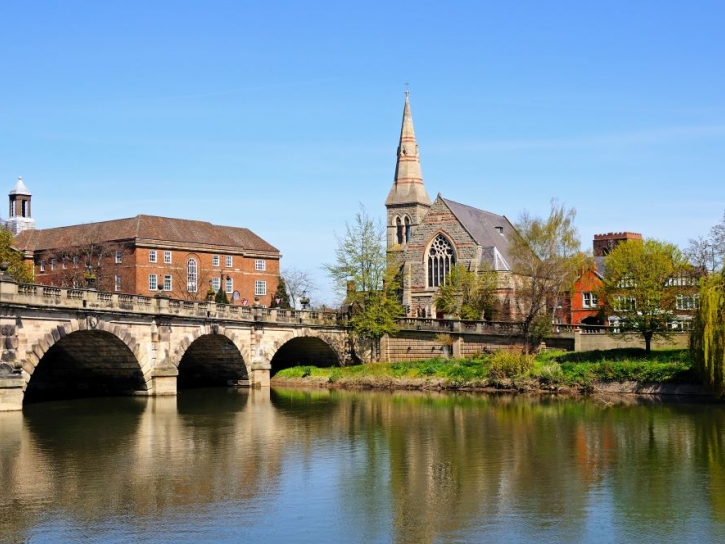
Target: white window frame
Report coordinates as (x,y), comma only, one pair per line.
(215,261)
(153,257)
(589,299)
(192,275)
(75,261)
(168,282)
(119,256)
(215,283)
(229,287)
(42,266)
(53,263)
(260,288)
(117,283)
(260,265)
(229,261)
(687,302)
(167,257)
(153,282)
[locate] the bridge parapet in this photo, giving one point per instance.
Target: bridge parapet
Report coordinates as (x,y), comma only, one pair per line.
(460,326)
(44,296)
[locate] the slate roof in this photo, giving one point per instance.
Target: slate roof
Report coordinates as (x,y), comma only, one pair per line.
(146,229)
(484,227)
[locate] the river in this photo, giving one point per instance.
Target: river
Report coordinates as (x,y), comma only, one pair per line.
(227,465)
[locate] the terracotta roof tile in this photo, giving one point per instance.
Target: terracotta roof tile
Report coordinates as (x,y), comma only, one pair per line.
(146,229)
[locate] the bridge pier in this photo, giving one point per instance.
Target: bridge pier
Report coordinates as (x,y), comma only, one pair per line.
(11,393)
(261,374)
(164,381)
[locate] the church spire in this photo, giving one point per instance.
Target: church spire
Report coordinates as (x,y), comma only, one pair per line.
(408,185)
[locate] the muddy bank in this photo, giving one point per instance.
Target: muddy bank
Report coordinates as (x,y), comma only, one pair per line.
(503,386)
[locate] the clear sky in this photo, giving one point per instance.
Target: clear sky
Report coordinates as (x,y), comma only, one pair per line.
(284,117)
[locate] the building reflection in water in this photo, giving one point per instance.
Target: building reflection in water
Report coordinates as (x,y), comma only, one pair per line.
(403,467)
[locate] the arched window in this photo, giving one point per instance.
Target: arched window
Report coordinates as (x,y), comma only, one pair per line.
(192,276)
(441,257)
(407,229)
(398,230)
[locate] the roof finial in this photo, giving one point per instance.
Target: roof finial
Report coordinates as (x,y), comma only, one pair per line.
(407,90)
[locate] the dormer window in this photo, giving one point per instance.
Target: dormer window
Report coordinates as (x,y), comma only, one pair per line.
(499,230)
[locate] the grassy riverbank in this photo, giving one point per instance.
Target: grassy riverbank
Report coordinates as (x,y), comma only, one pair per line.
(550,371)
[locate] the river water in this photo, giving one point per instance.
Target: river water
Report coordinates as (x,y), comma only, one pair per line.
(219,465)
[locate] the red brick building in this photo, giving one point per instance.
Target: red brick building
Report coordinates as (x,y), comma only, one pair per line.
(147,254)
(583,304)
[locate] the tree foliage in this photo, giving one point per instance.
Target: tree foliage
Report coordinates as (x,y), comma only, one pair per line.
(17,268)
(707,338)
(281,294)
(375,313)
(361,263)
(466,293)
(708,252)
(360,256)
(221,297)
(546,262)
(642,279)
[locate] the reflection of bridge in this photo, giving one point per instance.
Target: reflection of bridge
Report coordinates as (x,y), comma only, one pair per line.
(64,342)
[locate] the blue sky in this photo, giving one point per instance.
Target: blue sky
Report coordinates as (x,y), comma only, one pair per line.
(283,117)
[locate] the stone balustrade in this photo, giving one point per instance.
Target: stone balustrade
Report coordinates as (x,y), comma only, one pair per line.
(69,298)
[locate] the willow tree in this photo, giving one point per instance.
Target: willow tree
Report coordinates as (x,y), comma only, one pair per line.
(707,339)
(642,282)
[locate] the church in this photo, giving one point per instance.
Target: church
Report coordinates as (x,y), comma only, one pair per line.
(427,239)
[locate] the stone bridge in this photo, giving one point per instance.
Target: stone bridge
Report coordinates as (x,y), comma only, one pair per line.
(59,342)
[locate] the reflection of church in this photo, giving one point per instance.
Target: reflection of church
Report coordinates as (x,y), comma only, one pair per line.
(428,239)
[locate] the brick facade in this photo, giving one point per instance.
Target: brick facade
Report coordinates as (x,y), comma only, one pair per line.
(157,255)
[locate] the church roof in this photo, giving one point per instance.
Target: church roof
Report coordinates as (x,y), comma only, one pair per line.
(147,229)
(20,189)
(491,231)
(408,185)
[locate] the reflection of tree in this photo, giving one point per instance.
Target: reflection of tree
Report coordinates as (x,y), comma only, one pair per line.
(401,467)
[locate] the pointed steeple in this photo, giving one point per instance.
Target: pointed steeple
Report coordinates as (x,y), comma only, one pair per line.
(408,185)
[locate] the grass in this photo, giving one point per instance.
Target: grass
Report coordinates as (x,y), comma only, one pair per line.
(548,370)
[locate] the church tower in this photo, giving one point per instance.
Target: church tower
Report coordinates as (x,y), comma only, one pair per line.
(407,203)
(19,217)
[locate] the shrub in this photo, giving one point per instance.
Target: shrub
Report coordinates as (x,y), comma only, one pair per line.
(508,364)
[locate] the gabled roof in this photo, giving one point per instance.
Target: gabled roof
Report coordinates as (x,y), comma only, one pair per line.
(492,232)
(146,229)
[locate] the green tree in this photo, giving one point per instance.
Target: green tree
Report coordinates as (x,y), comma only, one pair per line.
(281,294)
(642,279)
(18,269)
(546,261)
(221,297)
(361,262)
(376,313)
(707,338)
(467,293)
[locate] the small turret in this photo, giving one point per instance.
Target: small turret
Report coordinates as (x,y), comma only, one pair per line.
(19,214)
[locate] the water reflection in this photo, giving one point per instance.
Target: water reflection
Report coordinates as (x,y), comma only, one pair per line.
(362,467)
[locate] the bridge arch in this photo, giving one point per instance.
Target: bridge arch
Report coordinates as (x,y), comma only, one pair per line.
(306,349)
(211,356)
(86,357)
